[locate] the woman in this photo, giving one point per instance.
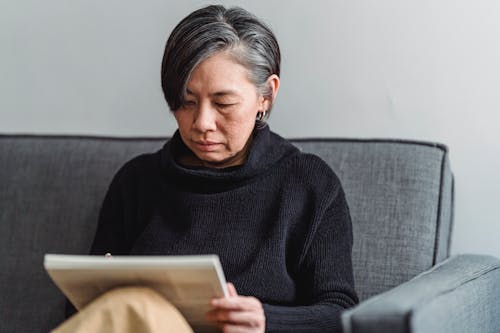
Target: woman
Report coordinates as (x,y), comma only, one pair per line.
(226,184)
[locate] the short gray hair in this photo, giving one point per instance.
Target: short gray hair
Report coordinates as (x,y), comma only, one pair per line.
(214,29)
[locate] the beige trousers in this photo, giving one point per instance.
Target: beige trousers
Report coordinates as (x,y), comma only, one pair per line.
(130,309)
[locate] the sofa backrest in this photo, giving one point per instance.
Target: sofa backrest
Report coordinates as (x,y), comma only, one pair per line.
(400,195)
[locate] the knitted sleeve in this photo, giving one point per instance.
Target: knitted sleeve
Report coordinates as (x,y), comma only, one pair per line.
(325,279)
(112,234)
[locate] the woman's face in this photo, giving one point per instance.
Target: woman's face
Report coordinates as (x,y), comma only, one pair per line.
(219,112)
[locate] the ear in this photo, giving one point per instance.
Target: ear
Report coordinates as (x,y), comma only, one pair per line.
(273,82)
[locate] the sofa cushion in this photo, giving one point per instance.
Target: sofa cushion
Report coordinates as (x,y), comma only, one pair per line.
(399,192)
(400,195)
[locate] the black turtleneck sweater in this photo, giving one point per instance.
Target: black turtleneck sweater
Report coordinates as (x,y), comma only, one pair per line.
(279,223)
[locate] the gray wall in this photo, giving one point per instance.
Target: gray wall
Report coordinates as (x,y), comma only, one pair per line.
(422,69)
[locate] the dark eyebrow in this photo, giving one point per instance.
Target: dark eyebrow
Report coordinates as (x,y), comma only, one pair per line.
(216,94)
(224,93)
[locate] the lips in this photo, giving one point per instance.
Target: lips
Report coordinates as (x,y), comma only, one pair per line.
(206,145)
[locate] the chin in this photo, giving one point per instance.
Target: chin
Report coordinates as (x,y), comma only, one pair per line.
(216,161)
(210,157)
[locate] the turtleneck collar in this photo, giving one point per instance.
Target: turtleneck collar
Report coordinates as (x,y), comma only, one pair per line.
(265,150)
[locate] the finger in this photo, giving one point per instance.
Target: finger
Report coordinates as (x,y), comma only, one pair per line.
(236,303)
(245,318)
(231,289)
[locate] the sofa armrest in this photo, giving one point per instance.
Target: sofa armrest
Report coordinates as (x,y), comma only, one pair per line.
(461,294)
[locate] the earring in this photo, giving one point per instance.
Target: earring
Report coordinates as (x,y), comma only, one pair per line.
(261,115)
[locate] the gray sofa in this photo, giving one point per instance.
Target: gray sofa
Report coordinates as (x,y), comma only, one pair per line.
(400,194)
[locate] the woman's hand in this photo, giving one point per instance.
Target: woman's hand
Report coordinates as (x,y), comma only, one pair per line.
(237,314)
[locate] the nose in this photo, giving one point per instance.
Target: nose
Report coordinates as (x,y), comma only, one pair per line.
(205,118)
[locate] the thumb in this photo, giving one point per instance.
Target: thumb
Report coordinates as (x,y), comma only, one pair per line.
(231,289)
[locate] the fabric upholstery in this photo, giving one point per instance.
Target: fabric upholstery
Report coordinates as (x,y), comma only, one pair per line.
(459,295)
(400,196)
(399,192)
(50,196)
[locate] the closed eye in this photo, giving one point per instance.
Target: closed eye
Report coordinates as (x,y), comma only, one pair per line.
(189,103)
(224,105)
